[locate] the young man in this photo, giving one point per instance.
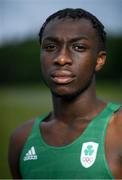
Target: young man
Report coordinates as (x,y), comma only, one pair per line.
(81,138)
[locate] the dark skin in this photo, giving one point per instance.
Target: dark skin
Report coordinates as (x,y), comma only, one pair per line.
(69,59)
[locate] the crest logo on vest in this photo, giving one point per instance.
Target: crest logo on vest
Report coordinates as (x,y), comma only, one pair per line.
(88,154)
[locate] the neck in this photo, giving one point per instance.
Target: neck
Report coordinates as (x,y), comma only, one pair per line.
(83,106)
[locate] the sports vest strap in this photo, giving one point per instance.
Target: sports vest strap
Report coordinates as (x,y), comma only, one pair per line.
(84,158)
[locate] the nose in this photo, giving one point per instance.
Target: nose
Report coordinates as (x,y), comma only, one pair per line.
(63,58)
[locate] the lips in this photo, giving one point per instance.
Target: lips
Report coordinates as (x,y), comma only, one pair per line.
(62,77)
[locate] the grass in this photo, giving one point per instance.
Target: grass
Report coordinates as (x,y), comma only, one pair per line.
(20,103)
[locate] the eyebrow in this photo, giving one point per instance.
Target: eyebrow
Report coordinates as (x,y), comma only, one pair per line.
(56,39)
(79,38)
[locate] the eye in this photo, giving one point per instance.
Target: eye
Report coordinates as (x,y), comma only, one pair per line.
(79,47)
(49,47)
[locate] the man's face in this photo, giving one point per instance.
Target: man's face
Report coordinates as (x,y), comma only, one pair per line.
(69,51)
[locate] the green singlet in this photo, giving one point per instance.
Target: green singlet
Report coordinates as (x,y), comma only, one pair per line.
(84,158)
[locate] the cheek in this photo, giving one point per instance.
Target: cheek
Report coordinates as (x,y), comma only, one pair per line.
(45,63)
(85,69)
(86,64)
(44,68)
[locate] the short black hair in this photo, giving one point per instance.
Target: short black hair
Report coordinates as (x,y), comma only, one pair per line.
(78,14)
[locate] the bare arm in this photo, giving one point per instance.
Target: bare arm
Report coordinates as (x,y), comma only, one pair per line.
(114,145)
(17,141)
(13,157)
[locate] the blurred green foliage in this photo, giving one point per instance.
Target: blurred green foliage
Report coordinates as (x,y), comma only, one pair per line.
(21,62)
(113,67)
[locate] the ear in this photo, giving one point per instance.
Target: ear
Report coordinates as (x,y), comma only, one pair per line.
(100,60)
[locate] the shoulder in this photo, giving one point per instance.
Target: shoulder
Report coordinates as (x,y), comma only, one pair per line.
(17,141)
(113,144)
(117,119)
(21,133)
(116,122)
(114,129)
(119,113)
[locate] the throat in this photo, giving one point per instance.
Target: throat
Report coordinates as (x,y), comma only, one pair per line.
(63,129)
(83,108)
(58,133)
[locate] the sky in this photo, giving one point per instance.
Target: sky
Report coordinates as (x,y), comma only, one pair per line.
(20,19)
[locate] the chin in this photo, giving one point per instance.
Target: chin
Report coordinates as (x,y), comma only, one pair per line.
(67,95)
(70,93)
(62,91)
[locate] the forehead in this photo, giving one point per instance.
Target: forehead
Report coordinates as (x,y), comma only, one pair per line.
(69,27)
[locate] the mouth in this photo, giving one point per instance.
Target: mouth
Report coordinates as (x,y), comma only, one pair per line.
(62,77)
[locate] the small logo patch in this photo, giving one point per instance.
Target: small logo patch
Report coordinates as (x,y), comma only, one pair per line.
(88,154)
(31,154)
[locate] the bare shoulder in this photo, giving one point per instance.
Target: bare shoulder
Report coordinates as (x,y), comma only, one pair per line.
(114,131)
(119,113)
(17,141)
(113,144)
(116,123)
(117,120)
(20,134)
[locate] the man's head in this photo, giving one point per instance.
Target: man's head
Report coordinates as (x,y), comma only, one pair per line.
(72,50)
(78,14)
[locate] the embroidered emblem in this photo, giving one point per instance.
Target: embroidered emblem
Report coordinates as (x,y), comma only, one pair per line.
(88,154)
